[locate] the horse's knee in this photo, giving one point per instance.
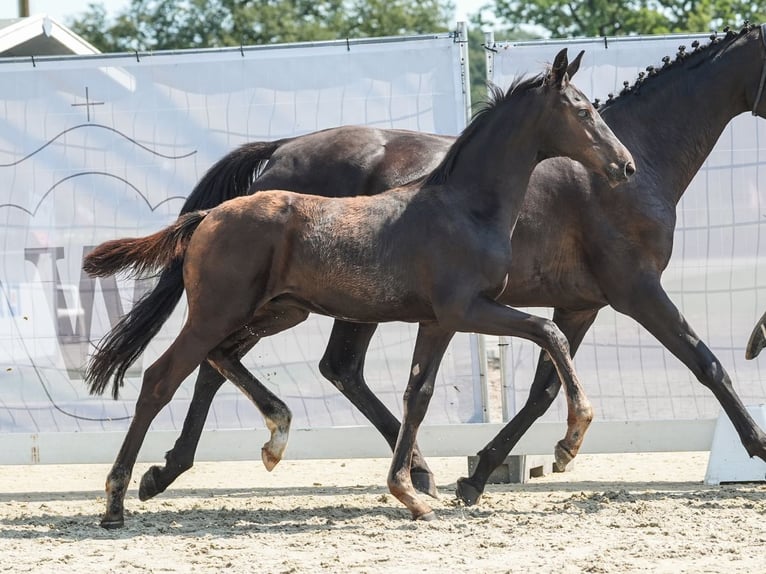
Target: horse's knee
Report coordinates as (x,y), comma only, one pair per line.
(554,338)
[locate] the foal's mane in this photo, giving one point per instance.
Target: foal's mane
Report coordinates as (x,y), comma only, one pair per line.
(699,54)
(497,98)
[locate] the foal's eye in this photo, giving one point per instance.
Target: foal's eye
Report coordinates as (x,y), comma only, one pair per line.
(583,113)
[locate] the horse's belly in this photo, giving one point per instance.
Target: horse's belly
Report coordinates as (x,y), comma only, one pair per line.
(350,306)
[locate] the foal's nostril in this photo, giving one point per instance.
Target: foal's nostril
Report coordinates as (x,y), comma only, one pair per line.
(630,169)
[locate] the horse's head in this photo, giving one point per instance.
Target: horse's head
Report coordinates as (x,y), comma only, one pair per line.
(577,130)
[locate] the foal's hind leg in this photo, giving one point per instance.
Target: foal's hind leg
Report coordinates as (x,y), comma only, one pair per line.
(180,458)
(343,365)
(270,320)
(544,389)
(275,412)
(161,380)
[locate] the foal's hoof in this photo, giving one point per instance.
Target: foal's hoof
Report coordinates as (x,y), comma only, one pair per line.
(467,492)
(269,459)
(562,457)
(149,487)
(424,482)
(426,516)
(112,523)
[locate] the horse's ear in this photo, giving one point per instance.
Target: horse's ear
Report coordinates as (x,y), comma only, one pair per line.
(557,76)
(574,65)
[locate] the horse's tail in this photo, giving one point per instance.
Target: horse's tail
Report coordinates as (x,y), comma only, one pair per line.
(130,337)
(231,176)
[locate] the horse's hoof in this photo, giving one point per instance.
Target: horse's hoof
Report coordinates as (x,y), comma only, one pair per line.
(112,523)
(269,460)
(424,482)
(426,517)
(467,492)
(148,487)
(562,457)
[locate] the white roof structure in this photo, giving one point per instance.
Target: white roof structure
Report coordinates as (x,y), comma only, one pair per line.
(40,35)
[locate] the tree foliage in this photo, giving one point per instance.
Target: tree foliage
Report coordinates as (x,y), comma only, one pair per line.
(569,18)
(179,24)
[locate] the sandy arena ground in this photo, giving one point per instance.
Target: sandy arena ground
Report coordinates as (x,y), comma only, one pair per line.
(611,513)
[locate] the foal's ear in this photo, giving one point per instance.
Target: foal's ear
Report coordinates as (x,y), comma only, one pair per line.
(574,65)
(557,76)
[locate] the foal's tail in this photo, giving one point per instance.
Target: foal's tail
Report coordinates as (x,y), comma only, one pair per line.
(229,177)
(128,339)
(142,255)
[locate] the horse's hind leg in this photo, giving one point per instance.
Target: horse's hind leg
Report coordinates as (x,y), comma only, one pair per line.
(180,458)
(343,365)
(544,389)
(161,380)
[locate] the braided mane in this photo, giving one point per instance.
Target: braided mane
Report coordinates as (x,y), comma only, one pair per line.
(698,54)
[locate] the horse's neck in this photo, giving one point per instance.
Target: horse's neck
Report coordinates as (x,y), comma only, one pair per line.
(672,129)
(494,166)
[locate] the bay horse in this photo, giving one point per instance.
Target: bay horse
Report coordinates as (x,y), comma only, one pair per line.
(371,259)
(604,249)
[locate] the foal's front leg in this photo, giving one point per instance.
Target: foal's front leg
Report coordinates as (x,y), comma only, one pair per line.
(343,365)
(484,315)
(544,389)
(430,345)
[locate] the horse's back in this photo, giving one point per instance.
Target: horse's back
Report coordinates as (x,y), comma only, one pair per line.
(352,160)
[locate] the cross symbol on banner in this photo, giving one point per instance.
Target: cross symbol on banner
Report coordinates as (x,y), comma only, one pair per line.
(88,103)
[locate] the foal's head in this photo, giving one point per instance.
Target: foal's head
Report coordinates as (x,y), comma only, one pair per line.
(576,129)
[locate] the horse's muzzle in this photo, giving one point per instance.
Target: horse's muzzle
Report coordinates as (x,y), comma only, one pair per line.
(619,173)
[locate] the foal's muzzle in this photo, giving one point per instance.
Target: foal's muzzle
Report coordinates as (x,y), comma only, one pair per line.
(620,172)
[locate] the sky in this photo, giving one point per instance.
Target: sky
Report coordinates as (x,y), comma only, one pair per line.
(62,10)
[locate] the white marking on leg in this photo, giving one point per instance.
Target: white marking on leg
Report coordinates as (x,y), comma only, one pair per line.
(416,370)
(274,448)
(763,330)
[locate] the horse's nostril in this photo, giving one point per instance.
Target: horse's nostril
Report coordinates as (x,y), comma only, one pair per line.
(630,169)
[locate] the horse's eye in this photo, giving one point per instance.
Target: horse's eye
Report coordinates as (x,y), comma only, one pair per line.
(583,113)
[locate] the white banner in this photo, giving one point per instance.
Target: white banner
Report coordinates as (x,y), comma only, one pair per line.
(96,148)
(716,275)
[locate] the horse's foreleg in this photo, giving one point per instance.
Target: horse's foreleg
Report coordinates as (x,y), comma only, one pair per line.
(542,392)
(161,380)
(180,458)
(343,365)
(431,343)
(757,340)
(652,308)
